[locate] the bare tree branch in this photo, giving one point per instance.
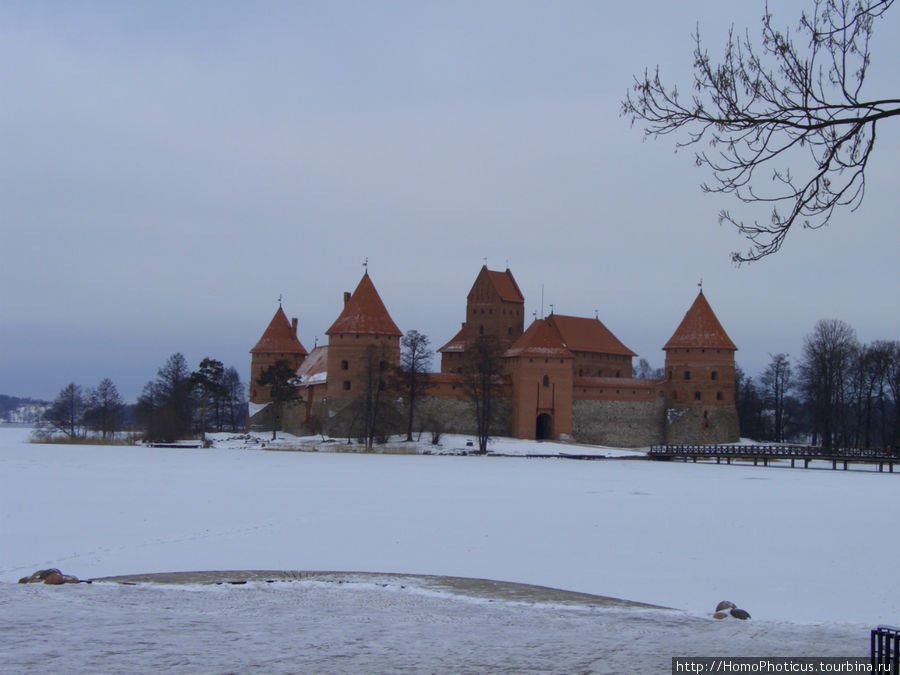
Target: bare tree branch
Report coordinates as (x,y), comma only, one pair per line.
(763,110)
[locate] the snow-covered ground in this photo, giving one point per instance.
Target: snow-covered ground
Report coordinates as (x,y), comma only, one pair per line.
(808,553)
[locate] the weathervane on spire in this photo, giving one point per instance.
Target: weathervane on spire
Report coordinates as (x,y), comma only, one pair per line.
(701,284)
(485,261)
(597,314)
(279,299)
(366,264)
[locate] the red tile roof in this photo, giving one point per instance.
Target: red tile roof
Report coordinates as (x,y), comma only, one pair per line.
(457,343)
(279,337)
(504,283)
(541,339)
(588,335)
(315,367)
(365,313)
(700,328)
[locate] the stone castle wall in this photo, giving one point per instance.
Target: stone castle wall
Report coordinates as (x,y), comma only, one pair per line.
(626,424)
(696,425)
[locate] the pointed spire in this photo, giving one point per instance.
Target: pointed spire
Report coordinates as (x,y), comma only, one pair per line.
(700,328)
(279,337)
(364,312)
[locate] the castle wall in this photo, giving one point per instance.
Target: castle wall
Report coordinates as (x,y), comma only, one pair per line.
(698,425)
(455,415)
(627,424)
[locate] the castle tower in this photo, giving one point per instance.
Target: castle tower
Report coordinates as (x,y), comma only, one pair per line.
(700,381)
(495,306)
(279,341)
(540,368)
(363,331)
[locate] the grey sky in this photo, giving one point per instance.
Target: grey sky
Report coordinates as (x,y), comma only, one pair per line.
(168,169)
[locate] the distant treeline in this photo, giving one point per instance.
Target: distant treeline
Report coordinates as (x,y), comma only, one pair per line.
(177,403)
(839,393)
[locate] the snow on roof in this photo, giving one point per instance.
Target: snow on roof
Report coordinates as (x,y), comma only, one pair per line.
(314,368)
(541,339)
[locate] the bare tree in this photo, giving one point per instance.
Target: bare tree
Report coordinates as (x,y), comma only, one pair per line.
(372,408)
(105,408)
(66,412)
(776,382)
(789,102)
(415,361)
(175,406)
(280,378)
(234,399)
(828,353)
(483,383)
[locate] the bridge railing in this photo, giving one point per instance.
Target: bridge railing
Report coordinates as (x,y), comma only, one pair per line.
(885,649)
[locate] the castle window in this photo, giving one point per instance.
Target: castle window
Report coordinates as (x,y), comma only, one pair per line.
(687,374)
(382,365)
(718,395)
(509,331)
(458,370)
(670,374)
(346,385)
(345,365)
(714,375)
(481,330)
(546,381)
(696,395)
(580,372)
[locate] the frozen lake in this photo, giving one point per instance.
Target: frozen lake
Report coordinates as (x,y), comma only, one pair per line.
(790,546)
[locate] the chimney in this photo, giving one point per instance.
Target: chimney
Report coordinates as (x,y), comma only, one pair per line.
(346,297)
(294,325)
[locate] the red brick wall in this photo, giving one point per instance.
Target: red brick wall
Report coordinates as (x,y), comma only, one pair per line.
(708,373)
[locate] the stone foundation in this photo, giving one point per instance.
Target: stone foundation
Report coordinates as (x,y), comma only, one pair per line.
(623,424)
(690,425)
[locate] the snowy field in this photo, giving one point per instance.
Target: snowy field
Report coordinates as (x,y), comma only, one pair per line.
(801,550)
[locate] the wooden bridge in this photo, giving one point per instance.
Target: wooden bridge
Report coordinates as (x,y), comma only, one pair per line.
(768,453)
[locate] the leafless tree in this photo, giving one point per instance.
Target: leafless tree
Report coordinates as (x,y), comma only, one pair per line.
(483,383)
(372,407)
(795,100)
(234,399)
(415,361)
(67,411)
(776,382)
(828,353)
(104,409)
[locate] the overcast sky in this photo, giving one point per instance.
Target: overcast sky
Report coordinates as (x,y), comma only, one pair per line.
(168,169)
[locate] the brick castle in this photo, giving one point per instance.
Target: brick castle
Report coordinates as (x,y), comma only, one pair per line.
(565,377)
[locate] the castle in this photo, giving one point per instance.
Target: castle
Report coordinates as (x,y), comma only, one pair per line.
(564,377)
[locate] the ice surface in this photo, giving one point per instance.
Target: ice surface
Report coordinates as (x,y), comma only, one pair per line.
(799,549)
